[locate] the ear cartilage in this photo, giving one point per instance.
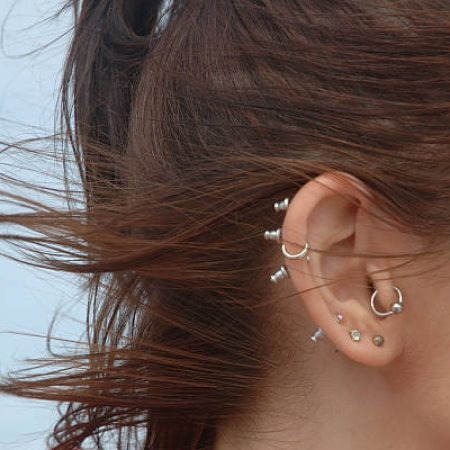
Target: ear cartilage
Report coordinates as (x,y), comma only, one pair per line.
(281,273)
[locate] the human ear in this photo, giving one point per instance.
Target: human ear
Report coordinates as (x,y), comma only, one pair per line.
(332,214)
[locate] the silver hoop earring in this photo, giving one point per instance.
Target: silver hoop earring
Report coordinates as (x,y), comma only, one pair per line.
(395,307)
(301,255)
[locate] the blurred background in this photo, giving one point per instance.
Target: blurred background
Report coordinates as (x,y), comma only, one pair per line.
(29,82)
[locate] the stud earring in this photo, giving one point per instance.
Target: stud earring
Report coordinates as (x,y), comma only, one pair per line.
(281,273)
(274,235)
(395,307)
(318,333)
(281,206)
(355,335)
(378,340)
(339,318)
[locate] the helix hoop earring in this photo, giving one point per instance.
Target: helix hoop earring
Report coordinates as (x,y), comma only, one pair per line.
(300,255)
(395,307)
(275,235)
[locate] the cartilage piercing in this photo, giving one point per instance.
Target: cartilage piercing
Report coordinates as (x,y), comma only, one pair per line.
(300,255)
(274,235)
(281,273)
(378,340)
(395,307)
(281,206)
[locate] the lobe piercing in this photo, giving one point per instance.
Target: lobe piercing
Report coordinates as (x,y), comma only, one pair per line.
(355,335)
(339,318)
(319,332)
(378,340)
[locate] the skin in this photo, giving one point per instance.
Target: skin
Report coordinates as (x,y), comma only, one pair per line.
(362,397)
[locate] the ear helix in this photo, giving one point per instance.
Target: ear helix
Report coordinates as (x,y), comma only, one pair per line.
(275,235)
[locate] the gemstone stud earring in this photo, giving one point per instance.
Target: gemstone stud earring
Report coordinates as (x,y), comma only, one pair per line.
(339,318)
(355,335)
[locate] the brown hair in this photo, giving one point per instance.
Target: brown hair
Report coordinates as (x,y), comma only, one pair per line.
(185,127)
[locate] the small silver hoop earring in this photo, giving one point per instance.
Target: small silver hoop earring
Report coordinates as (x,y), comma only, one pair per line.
(300,255)
(395,308)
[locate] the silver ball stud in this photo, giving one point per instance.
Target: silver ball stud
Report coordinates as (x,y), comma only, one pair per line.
(378,340)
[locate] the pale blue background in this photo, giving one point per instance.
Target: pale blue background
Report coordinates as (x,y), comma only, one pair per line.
(29,297)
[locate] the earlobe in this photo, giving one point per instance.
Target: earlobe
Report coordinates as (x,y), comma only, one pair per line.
(322,228)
